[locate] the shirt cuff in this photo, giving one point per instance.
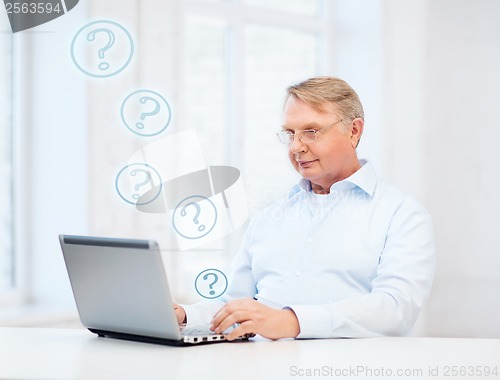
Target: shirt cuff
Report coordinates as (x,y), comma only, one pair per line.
(314,321)
(200,313)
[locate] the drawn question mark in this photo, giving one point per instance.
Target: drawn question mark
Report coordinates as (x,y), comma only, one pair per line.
(111,41)
(216,278)
(140,184)
(198,211)
(143,100)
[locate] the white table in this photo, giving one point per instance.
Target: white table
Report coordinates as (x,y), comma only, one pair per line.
(33,353)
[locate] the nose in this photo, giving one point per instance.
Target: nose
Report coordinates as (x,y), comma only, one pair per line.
(297,146)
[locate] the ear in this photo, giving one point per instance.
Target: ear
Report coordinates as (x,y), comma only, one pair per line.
(356,131)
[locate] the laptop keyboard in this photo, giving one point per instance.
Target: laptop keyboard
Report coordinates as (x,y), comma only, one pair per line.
(196,330)
(200,334)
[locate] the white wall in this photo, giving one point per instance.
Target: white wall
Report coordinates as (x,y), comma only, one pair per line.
(462,161)
(439,134)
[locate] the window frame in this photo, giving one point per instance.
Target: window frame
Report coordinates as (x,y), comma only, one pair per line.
(236,14)
(17,294)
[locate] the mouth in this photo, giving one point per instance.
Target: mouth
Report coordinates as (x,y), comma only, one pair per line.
(306,164)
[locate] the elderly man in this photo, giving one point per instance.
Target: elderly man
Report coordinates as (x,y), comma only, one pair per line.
(345,255)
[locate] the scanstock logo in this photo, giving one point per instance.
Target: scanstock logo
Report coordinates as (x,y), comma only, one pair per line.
(26,14)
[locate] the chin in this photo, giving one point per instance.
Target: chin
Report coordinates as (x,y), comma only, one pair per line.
(307,173)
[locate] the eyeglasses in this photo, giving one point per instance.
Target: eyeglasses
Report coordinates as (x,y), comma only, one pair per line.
(306,136)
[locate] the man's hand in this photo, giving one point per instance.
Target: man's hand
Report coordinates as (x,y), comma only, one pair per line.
(180,313)
(253,317)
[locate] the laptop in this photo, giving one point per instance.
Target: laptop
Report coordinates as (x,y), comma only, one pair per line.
(121,291)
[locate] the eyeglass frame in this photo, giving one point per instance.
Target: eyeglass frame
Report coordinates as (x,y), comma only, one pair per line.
(316,133)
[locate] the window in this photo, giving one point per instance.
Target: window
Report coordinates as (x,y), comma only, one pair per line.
(7,258)
(308,8)
(206,82)
(239,57)
(289,56)
(224,66)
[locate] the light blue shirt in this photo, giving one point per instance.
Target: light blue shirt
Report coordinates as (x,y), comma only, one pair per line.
(357,262)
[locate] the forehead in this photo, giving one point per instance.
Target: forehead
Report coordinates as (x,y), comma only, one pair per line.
(297,113)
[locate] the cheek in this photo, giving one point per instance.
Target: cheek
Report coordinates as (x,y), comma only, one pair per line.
(334,152)
(291,157)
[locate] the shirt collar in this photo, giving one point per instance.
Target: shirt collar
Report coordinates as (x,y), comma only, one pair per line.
(365,179)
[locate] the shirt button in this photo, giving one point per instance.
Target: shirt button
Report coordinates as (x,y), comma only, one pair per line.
(298,273)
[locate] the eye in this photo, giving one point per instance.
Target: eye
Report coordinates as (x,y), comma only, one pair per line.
(309,133)
(289,135)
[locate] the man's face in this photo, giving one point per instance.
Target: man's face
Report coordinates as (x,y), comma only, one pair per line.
(329,159)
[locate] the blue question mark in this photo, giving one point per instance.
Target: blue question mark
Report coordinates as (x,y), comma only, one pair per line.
(111,41)
(195,219)
(216,278)
(143,100)
(140,184)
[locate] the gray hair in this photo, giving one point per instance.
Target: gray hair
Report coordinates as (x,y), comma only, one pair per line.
(320,90)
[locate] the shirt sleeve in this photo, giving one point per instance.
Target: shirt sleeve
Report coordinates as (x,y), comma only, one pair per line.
(201,313)
(402,284)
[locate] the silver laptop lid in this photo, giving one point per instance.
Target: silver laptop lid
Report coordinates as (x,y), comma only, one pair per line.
(120,285)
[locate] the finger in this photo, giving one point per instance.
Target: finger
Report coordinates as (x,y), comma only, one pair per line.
(232,312)
(219,317)
(227,322)
(224,312)
(180,313)
(246,327)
